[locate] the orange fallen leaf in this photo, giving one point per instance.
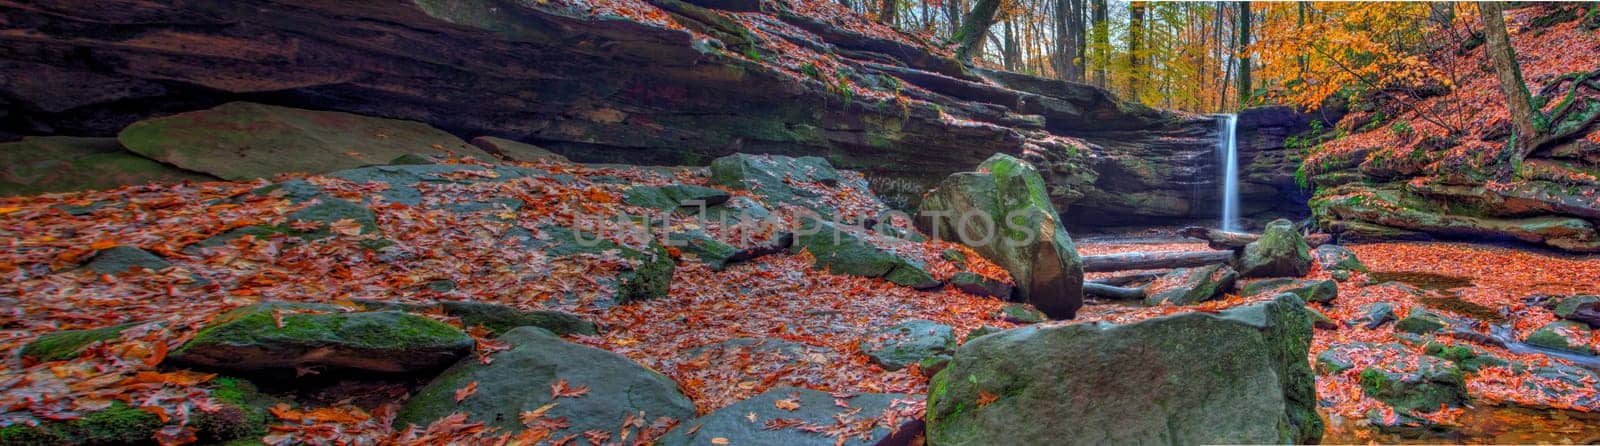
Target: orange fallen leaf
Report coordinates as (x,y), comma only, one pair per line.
(789,404)
(560,389)
(528,417)
(467,391)
(986,398)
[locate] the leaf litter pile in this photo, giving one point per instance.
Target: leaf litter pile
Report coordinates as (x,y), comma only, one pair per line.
(684,335)
(778,297)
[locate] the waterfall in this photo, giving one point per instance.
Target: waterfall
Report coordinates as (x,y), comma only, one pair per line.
(1229,151)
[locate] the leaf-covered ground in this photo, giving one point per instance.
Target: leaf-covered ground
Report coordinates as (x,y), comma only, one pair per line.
(777,297)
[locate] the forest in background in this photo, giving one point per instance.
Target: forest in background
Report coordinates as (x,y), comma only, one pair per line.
(1204,56)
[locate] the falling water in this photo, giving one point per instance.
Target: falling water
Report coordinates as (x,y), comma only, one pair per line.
(1230,173)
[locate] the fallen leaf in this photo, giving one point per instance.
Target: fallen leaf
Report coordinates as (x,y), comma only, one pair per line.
(467,391)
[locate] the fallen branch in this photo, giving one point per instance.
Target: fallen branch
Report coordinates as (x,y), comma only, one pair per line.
(1153,260)
(1127,279)
(1219,239)
(1104,291)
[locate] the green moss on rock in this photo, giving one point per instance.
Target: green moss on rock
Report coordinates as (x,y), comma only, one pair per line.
(250,338)
(119,424)
(68,344)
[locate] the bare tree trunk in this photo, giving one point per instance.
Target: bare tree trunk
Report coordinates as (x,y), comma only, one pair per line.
(969,36)
(1135,45)
(887,11)
(1009,52)
(1498,44)
(1153,260)
(1113,292)
(1245,88)
(1102,41)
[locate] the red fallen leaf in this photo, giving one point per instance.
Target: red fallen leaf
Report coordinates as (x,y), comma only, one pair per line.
(986,398)
(560,389)
(467,391)
(103,244)
(597,437)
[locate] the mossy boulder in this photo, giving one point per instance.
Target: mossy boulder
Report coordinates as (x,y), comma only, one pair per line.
(734,424)
(925,343)
(1583,308)
(710,251)
(978,285)
(1339,357)
(323,336)
(783,180)
(1185,286)
(116,425)
(244,141)
(241,412)
(1238,376)
(516,151)
(1003,212)
(43,164)
(497,318)
(845,249)
(519,380)
(1332,257)
(1415,383)
(65,345)
(324,211)
(1309,290)
(1281,251)
(1562,335)
(672,197)
(650,270)
(1421,321)
(1468,357)
(1022,314)
(1373,315)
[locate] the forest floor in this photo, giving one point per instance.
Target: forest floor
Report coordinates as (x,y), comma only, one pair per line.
(771,297)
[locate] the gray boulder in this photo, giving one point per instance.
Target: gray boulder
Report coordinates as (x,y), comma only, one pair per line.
(520,380)
(925,343)
(243,141)
(1238,376)
(845,249)
(1309,290)
(323,336)
(1280,252)
(1337,258)
(746,422)
(1185,286)
(1003,212)
(121,259)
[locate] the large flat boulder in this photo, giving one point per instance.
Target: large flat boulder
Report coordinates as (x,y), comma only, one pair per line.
(806,182)
(599,388)
(243,140)
(844,249)
(42,164)
(1004,213)
(309,336)
(1238,376)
